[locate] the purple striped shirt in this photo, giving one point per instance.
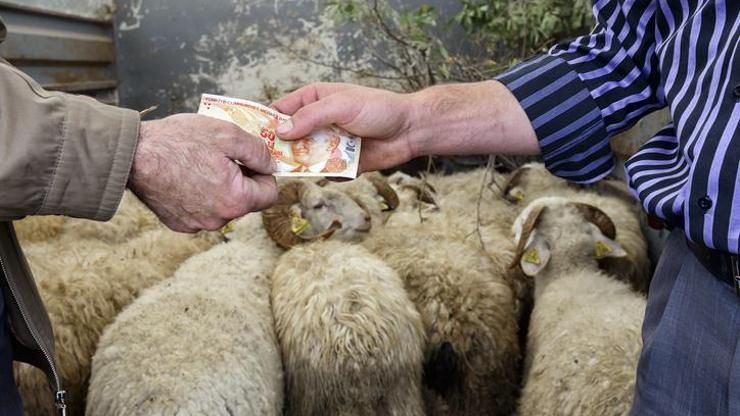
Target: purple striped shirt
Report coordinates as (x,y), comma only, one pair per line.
(642,56)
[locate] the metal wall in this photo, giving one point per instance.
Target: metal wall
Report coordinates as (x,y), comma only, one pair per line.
(61,50)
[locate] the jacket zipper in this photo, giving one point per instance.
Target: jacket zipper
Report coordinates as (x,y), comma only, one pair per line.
(59,396)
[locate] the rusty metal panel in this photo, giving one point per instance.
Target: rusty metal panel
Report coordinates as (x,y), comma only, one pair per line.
(61,51)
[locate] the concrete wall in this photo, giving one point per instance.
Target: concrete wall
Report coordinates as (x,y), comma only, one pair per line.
(171,51)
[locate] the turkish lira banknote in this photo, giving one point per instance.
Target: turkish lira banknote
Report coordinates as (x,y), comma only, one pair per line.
(328,151)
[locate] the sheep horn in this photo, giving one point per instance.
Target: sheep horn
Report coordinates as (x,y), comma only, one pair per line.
(386,191)
(424,194)
(598,218)
(513,181)
(527,228)
(276,219)
(334,227)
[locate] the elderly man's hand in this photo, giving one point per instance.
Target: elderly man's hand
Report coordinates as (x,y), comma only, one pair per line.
(474,118)
(184,170)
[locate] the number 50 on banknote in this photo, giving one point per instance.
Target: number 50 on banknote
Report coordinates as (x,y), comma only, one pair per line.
(328,151)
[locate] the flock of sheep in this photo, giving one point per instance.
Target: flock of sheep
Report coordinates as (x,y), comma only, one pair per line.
(477,293)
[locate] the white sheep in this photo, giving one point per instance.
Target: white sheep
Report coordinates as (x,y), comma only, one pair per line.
(584,332)
(131,219)
(202,342)
(305,212)
(468,311)
(533,181)
(36,229)
(84,286)
(351,339)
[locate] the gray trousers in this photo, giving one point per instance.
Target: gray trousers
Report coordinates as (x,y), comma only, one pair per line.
(690,362)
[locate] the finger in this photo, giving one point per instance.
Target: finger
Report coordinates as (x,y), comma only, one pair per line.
(334,109)
(260,192)
(303,96)
(249,150)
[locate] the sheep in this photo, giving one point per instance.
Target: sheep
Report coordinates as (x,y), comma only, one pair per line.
(131,219)
(84,287)
(584,334)
(468,310)
(35,229)
(372,192)
(351,339)
(533,181)
(307,212)
(202,342)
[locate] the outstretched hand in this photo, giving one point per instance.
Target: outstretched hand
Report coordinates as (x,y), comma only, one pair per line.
(382,117)
(185,171)
(455,119)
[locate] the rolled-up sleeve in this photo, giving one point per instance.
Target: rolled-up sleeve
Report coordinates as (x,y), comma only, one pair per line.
(581,93)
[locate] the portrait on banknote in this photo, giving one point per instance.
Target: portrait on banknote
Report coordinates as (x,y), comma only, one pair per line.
(329,151)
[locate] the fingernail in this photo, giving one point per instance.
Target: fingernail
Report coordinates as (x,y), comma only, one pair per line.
(285,127)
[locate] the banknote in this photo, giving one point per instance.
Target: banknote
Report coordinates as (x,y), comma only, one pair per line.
(328,151)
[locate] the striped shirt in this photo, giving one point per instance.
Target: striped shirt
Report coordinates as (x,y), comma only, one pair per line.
(642,56)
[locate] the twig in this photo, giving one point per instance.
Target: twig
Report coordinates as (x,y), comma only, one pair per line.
(489,167)
(423,187)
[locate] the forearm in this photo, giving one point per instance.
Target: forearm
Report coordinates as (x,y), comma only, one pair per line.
(475,118)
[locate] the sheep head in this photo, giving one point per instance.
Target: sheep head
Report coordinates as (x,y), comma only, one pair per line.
(370,190)
(534,244)
(305,212)
(412,190)
(530,181)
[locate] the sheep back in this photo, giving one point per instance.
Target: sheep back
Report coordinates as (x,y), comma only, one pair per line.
(351,339)
(202,342)
(467,309)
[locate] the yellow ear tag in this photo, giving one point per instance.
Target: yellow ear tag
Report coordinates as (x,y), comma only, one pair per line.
(518,195)
(602,249)
(298,225)
(384,206)
(532,256)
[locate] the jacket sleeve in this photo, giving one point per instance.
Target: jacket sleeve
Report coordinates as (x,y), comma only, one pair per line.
(59,153)
(581,93)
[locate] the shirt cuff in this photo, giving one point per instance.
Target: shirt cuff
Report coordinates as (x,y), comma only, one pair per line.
(566,119)
(95,160)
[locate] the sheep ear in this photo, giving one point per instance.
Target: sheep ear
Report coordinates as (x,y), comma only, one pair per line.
(513,182)
(536,255)
(516,195)
(606,247)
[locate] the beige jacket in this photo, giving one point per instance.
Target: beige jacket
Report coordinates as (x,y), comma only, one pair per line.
(60,154)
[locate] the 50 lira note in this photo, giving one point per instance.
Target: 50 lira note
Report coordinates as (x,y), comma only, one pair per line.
(327,151)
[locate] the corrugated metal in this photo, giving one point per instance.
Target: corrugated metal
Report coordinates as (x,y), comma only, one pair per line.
(62,52)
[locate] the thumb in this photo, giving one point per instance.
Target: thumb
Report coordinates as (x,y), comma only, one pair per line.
(250,151)
(261,192)
(334,109)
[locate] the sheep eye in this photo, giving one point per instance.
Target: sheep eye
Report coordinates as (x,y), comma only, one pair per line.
(319,205)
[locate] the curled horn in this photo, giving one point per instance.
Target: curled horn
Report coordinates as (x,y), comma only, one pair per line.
(276,219)
(598,218)
(513,181)
(384,190)
(527,228)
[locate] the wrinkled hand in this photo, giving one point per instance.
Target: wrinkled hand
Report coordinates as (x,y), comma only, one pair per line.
(381,116)
(184,170)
